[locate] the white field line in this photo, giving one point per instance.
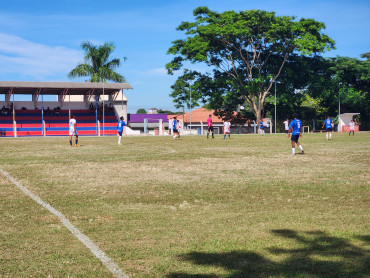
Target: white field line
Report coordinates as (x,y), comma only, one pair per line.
(108,262)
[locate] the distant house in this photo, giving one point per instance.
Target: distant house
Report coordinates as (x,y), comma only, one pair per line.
(153,111)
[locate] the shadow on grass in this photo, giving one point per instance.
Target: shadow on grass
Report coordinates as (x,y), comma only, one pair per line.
(319,255)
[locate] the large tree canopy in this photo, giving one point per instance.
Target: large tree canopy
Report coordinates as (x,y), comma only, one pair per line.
(97,64)
(246,51)
(345,79)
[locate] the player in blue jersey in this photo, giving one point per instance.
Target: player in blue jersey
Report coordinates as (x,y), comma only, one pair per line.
(120,127)
(329,127)
(175,128)
(295,128)
(262,128)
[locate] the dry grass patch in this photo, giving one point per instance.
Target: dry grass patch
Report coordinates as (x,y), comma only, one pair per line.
(176,208)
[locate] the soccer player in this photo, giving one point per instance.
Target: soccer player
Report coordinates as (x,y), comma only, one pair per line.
(227,126)
(295,128)
(329,128)
(73,131)
(175,128)
(352,127)
(120,126)
(262,128)
(179,128)
(210,126)
(286,124)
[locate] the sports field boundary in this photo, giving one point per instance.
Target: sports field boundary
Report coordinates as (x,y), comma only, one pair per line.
(98,253)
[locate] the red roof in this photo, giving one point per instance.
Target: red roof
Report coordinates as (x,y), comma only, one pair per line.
(197,115)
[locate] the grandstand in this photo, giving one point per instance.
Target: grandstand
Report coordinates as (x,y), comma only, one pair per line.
(33,123)
(30,118)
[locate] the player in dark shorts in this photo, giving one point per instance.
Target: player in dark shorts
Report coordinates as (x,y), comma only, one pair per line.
(175,129)
(328,124)
(295,128)
(210,126)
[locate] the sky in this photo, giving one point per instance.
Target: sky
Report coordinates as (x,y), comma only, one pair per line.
(41,40)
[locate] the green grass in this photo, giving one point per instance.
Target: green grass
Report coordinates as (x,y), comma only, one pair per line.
(188,208)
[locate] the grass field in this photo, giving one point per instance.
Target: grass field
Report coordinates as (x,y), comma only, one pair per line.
(188,208)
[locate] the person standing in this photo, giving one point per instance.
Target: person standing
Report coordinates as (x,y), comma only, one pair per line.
(120,127)
(329,128)
(210,126)
(227,126)
(179,128)
(295,128)
(73,131)
(352,127)
(175,128)
(262,128)
(286,125)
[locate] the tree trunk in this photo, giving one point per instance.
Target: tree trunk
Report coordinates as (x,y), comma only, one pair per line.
(257,113)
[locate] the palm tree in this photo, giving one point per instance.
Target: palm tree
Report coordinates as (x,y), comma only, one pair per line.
(97,64)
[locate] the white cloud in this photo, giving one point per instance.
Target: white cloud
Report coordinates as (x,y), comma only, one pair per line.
(157,71)
(36,61)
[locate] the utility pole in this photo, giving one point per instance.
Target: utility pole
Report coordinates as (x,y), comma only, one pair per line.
(190,83)
(340,83)
(275,106)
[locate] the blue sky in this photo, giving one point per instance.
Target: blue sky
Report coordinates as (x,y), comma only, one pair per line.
(40,40)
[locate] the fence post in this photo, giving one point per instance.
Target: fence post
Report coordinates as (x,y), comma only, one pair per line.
(270,127)
(313,125)
(160,131)
(98,128)
(15,128)
(170,126)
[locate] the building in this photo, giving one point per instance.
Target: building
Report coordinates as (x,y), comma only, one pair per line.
(146,122)
(97,106)
(153,111)
(69,95)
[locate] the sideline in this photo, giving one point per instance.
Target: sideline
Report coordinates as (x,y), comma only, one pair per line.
(108,262)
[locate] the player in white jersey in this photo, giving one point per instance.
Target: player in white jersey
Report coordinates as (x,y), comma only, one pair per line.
(73,131)
(352,127)
(227,126)
(286,125)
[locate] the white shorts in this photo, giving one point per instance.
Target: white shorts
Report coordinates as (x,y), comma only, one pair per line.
(72,132)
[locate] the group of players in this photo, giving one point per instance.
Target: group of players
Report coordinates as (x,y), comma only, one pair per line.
(73,130)
(294,128)
(176,128)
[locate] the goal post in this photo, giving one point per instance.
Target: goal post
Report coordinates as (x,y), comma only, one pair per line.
(154,125)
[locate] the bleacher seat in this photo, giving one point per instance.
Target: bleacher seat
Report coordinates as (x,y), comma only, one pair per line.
(29,123)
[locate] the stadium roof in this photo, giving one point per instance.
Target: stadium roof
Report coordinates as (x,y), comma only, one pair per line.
(60,88)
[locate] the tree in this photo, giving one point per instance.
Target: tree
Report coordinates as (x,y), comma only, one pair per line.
(97,64)
(345,78)
(141,111)
(246,51)
(169,112)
